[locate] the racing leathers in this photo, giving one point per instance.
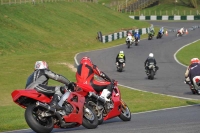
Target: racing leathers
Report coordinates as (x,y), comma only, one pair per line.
(161,30)
(194,74)
(85,74)
(38,80)
(181,31)
(120,56)
(150,61)
(137,35)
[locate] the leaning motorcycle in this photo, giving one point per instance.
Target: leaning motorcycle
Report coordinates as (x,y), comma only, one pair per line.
(151,71)
(120,65)
(159,35)
(178,34)
(129,41)
(105,110)
(150,36)
(195,87)
(42,118)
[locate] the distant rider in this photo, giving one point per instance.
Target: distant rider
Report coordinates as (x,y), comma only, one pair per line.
(137,35)
(86,71)
(182,31)
(150,60)
(151,29)
(193,62)
(120,55)
(129,37)
(162,30)
(38,80)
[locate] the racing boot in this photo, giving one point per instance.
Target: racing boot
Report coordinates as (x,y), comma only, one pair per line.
(105,93)
(54,102)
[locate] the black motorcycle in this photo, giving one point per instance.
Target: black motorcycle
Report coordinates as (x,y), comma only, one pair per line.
(151,71)
(136,41)
(159,35)
(120,65)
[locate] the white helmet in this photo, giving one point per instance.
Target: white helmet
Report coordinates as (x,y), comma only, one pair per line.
(121,52)
(151,55)
(41,65)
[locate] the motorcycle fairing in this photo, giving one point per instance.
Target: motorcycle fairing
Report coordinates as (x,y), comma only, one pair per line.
(30,94)
(77,101)
(117,104)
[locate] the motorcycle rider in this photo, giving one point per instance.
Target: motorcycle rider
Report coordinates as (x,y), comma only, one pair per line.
(151,29)
(194,75)
(193,62)
(137,35)
(162,30)
(86,71)
(38,80)
(120,55)
(148,61)
(129,37)
(182,31)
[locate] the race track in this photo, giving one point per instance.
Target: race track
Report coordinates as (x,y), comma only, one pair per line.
(170,76)
(169,81)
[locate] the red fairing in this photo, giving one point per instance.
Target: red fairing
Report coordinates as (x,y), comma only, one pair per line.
(77,113)
(116,97)
(30,93)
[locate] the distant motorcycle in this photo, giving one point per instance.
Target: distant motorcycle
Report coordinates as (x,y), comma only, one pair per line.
(120,65)
(41,118)
(151,71)
(129,41)
(150,36)
(178,34)
(159,35)
(136,41)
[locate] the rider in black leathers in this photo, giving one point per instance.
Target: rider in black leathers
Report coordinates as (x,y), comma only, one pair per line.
(148,61)
(38,80)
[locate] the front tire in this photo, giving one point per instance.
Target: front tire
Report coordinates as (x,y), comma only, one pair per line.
(90,119)
(35,122)
(125,114)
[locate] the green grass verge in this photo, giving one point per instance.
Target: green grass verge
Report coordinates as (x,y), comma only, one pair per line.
(189,52)
(55,32)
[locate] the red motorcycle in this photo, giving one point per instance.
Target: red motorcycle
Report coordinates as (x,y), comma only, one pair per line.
(105,110)
(42,118)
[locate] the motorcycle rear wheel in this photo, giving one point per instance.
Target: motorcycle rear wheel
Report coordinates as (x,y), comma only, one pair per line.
(35,122)
(125,114)
(90,120)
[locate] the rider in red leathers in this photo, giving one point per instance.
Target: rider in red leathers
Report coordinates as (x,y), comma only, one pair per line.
(86,71)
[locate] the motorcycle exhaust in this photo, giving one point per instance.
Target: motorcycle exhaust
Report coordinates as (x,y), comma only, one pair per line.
(92,94)
(46,106)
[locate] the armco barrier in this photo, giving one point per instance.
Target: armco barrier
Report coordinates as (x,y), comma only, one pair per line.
(122,34)
(166,17)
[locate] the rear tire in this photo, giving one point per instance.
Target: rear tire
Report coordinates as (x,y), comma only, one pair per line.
(37,124)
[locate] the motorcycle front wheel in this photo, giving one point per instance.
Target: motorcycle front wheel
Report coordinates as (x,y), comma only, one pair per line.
(125,114)
(90,119)
(36,122)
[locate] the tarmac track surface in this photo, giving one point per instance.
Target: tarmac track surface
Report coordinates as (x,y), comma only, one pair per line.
(169,81)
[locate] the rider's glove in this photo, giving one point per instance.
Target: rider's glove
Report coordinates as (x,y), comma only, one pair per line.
(71,86)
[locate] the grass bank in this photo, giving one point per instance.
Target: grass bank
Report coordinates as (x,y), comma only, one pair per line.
(189,52)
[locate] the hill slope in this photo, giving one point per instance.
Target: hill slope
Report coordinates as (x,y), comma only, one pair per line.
(50,26)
